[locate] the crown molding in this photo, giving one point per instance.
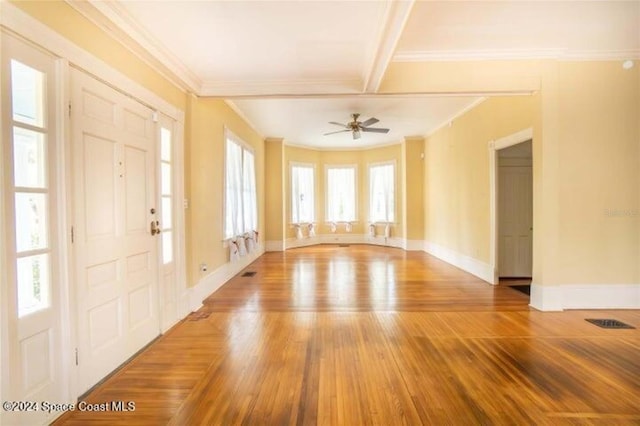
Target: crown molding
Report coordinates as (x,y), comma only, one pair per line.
(395,19)
(112,18)
(306,87)
(513,54)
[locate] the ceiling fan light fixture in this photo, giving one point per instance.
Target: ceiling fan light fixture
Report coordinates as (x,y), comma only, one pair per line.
(356,127)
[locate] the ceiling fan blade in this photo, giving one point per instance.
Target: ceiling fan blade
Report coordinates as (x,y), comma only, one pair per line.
(375,130)
(338,124)
(338,131)
(356,134)
(369,122)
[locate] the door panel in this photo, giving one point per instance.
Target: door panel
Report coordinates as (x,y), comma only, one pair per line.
(99,167)
(515,221)
(116,256)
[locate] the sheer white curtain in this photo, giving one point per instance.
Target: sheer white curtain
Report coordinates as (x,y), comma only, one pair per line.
(382,193)
(241,212)
(302,194)
(233,188)
(341,194)
(249,201)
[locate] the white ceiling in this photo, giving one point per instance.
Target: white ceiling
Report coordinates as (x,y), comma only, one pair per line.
(520,29)
(305,56)
(404,116)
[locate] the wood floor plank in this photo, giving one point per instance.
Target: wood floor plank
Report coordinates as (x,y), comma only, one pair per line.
(366,335)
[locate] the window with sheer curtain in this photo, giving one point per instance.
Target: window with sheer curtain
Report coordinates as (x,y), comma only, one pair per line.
(341,193)
(241,213)
(382,192)
(302,193)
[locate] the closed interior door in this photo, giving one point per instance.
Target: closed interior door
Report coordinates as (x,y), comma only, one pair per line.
(515,200)
(115,210)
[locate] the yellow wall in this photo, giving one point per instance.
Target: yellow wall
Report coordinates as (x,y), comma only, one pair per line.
(66,21)
(457,173)
(599,173)
(586,165)
(274,186)
(462,77)
(205,168)
(413,186)
(360,158)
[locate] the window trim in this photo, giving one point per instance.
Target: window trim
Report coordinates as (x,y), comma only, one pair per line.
(392,162)
(356,194)
(312,166)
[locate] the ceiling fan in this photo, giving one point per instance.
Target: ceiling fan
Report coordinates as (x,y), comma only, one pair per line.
(355,126)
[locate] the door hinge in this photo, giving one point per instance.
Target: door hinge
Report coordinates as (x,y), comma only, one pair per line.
(69,109)
(76,356)
(72,236)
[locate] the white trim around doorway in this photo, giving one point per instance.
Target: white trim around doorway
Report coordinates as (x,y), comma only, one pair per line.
(494,146)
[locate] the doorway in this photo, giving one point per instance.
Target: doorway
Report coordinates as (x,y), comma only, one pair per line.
(515,216)
(511,209)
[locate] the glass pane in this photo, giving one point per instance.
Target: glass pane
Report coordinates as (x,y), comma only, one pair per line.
(31,221)
(165,144)
(233,190)
(29,158)
(33,283)
(249,200)
(166,179)
(382,205)
(167,247)
(166,213)
(302,195)
(341,194)
(27,88)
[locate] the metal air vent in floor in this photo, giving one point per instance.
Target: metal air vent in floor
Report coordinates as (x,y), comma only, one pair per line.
(343,245)
(608,323)
(249,274)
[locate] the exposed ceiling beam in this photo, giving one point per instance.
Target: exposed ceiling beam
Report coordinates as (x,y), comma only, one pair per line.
(397,14)
(406,94)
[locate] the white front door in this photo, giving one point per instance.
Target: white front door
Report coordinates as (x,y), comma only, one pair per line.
(515,210)
(114,165)
(31,291)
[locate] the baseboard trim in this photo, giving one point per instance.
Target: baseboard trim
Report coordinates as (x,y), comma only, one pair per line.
(585,296)
(344,239)
(545,298)
(274,245)
(414,245)
(184,303)
(476,267)
(216,279)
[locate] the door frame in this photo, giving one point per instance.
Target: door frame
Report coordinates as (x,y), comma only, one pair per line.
(58,231)
(14,20)
(494,146)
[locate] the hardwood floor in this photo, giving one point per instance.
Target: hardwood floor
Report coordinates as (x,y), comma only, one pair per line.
(369,335)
